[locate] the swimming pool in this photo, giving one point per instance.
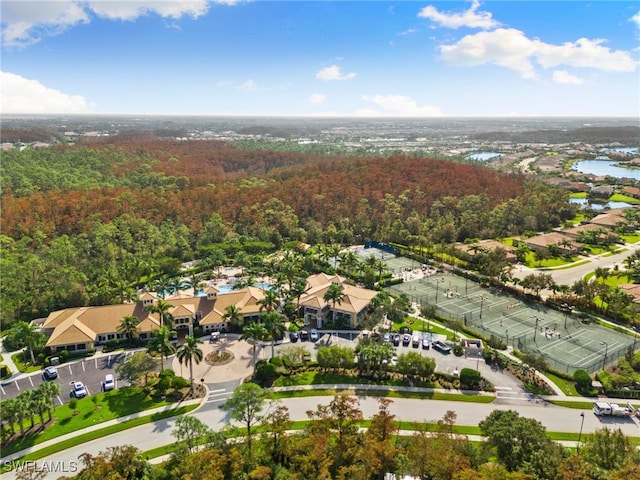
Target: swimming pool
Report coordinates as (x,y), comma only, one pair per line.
(229,288)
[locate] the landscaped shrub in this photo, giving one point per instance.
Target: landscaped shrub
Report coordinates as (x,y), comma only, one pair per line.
(583,381)
(458,351)
(180,382)
(276,361)
(470,378)
(64,355)
(265,371)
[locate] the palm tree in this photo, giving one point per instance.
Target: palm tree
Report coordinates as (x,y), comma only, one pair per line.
(270,302)
(162,307)
(188,353)
(274,324)
(161,343)
(334,294)
(129,327)
(27,397)
(10,411)
(233,315)
(254,331)
(196,282)
(50,390)
(20,411)
(27,334)
(40,403)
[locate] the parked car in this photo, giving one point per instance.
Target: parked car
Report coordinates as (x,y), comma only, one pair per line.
(416,341)
(394,361)
(214,337)
(313,335)
(78,390)
(109,383)
(425,343)
(293,336)
(50,373)
(304,335)
(406,339)
(441,346)
(386,337)
(396,339)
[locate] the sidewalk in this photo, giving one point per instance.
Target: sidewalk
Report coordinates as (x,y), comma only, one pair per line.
(388,388)
(6,360)
(144,413)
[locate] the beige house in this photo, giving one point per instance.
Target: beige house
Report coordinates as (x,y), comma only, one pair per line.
(350,311)
(82,328)
(565,243)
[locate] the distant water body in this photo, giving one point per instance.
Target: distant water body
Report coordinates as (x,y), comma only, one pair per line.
(483,156)
(605,168)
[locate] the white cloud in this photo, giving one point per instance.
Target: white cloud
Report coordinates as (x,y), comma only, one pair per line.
(469,18)
(317,99)
(333,73)
(510,48)
(408,32)
(398,105)
(21,95)
(585,53)
(248,85)
(26,22)
(562,76)
(132,9)
(636,19)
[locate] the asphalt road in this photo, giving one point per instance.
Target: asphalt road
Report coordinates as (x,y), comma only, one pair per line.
(159,433)
(568,276)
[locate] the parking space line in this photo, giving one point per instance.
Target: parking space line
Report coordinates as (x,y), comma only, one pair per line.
(82,366)
(30,380)
(17,384)
(2,389)
(59,400)
(70,371)
(96,360)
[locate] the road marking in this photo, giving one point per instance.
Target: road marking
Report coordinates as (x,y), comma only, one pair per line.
(31,381)
(3,392)
(96,360)
(83,366)
(59,400)
(218,395)
(70,371)
(17,385)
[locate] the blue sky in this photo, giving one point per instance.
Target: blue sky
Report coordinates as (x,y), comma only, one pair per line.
(324,58)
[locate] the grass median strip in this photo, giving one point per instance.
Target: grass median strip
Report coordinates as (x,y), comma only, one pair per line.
(457,397)
(109,430)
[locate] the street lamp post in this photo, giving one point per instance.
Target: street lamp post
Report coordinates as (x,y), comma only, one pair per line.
(478,360)
(566,314)
(437,286)
(580,434)
(482,297)
(606,351)
(535,330)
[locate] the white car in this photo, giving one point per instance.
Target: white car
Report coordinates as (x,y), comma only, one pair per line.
(78,390)
(109,383)
(313,335)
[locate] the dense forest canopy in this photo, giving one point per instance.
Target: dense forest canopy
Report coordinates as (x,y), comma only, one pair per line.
(72,213)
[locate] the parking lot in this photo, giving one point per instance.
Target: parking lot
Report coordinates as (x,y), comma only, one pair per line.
(90,371)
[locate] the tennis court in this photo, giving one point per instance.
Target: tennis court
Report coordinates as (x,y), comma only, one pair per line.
(567,342)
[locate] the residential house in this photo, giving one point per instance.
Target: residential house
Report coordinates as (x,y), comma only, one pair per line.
(351,309)
(565,244)
(82,328)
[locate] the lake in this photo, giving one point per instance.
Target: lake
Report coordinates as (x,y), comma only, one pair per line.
(584,203)
(483,156)
(605,168)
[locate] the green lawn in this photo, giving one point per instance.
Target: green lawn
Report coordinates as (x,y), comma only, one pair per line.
(24,366)
(102,432)
(530,261)
(619,197)
(631,238)
(112,405)
(567,386)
